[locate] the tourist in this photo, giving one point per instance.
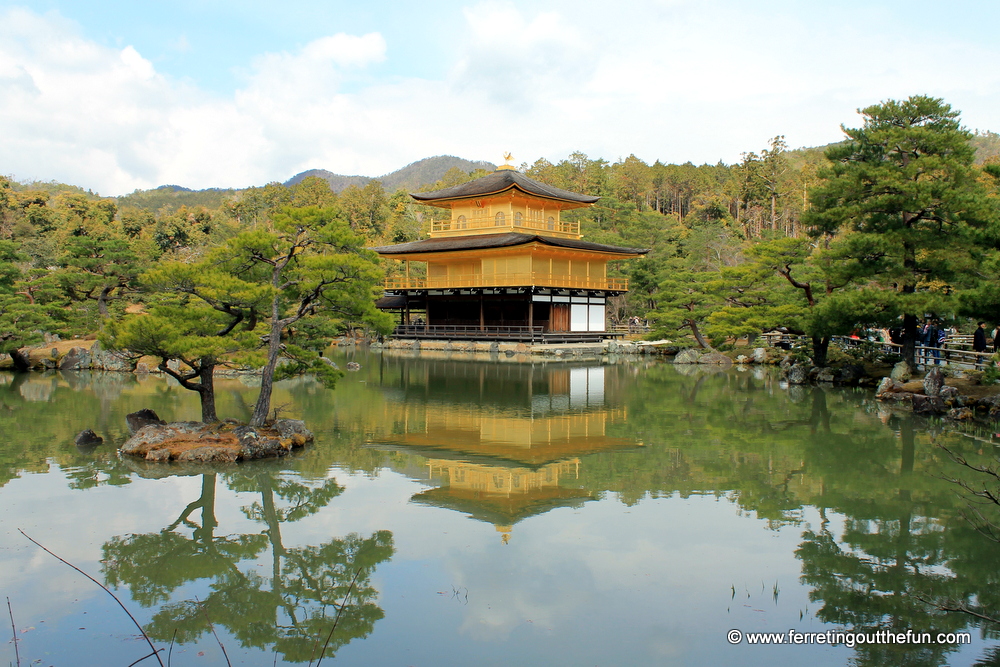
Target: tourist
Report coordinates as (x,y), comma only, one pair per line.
(979,338)
(942,337)
(979,343)
(933,340)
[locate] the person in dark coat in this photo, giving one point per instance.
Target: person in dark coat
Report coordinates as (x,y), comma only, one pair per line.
(979,338)
(934,340)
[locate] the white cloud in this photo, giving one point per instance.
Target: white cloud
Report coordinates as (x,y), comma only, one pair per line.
(519,62)
(672,79)
(347,49)
(103,118)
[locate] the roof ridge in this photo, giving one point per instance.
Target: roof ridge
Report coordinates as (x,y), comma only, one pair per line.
(499,181)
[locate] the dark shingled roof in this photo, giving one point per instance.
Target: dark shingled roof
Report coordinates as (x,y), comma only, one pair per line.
(391,302)
(499,181)
(498,241)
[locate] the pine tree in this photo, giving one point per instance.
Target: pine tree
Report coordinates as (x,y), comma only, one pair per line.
(24,314)
(314,267)
(198,318)
(904,189)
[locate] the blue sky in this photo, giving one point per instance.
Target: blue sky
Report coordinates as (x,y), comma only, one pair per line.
(115,96)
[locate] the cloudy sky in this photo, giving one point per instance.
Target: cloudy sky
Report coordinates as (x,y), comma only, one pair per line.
(114,95)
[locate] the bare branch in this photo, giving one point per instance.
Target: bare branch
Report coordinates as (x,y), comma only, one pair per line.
(105,589)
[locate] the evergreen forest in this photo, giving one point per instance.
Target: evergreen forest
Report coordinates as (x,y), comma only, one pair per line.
(898,222)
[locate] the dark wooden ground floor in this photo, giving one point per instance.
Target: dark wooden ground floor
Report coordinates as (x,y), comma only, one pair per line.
(525,313)
(513,333)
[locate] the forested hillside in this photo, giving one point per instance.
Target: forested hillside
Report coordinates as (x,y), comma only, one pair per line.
(411,177)
(782,238)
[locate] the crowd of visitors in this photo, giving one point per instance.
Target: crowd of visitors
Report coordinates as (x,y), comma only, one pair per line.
(935,337)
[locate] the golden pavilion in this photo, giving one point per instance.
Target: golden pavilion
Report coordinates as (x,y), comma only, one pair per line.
(504,265)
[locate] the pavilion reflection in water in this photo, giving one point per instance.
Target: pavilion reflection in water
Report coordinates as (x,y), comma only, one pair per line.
(510,459)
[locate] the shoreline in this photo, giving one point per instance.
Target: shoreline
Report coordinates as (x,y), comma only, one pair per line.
(961,399)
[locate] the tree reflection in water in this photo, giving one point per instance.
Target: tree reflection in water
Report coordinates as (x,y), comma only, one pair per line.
(878,527)
(292,610)
(898,560)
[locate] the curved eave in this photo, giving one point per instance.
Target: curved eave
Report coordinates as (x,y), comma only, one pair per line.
(499,182)
(432,248)
(446,202)
(484,252)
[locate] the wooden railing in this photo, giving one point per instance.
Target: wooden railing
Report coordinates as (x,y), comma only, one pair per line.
(532,334)
(630,328)
(952,352)
(534,279)
(455,228)
(470,332)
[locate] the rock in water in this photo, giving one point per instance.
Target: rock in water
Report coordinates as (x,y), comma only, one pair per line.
(961,414)
(353,366)
(825,375)
(715,358)
(152,435)
(948,392)
(798,374)
(933,382)
(688,356)
(209,454)
(901,372)
(88,439)
(195,442)
(75,359)
(886,387)
(105,360)
(927,404)
(288,428)
(144,417)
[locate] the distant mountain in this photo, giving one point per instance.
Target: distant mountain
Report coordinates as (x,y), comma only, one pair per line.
(429,170)
(410,178)
(337,181)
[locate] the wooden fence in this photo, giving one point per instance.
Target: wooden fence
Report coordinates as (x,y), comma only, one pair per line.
(955,351)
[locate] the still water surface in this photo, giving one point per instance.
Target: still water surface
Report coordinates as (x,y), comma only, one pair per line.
(493,512)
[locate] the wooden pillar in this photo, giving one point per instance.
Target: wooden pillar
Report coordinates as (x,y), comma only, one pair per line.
(482,313)
(406,308)
(531,315)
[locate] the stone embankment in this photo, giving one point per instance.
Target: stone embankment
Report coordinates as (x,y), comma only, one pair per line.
(510,348)
(791,372)
(931,395)
(80,355)
(75,355)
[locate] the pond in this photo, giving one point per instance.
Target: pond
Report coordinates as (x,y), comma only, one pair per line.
(494,511)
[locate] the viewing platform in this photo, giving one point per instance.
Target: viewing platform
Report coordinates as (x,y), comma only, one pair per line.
(502,222)
(524,334)
(535,279)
